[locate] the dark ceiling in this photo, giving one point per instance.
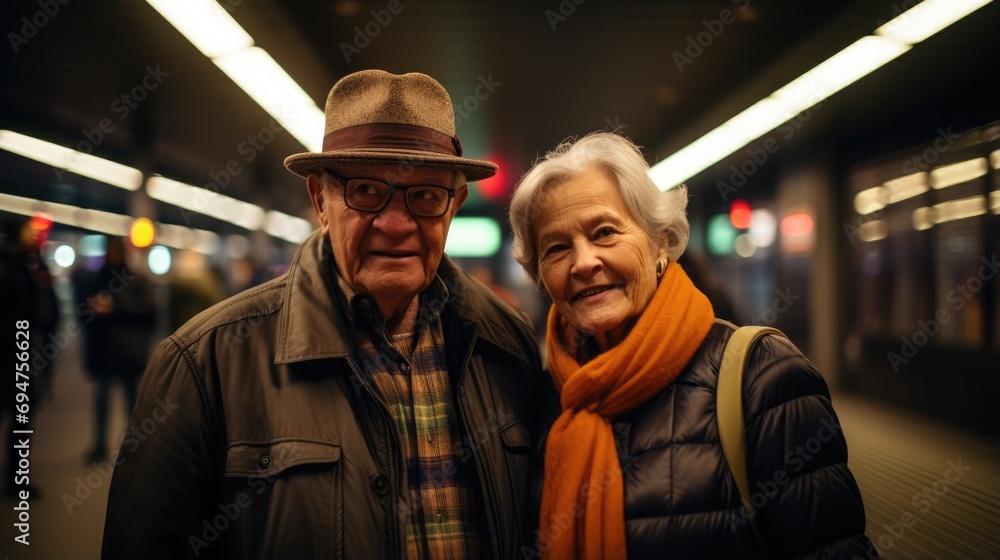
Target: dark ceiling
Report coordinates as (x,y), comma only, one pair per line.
(557,68)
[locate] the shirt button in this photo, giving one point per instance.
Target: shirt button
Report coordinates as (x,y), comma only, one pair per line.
(380,484)
(265,461)
(405,367)
(440,517)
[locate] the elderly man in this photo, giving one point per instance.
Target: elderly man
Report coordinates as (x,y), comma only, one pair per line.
(374,402)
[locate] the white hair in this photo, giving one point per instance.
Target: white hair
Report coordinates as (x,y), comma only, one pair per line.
(662,215)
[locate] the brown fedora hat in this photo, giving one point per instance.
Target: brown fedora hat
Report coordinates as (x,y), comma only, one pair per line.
(374,117)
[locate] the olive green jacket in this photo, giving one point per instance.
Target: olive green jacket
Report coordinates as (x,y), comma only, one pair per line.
(256,435)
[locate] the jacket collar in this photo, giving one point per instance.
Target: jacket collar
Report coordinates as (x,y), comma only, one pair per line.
(313,324)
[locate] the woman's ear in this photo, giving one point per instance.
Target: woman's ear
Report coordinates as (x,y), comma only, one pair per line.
(317,194)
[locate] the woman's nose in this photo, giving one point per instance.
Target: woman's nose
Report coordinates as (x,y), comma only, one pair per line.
(586,261)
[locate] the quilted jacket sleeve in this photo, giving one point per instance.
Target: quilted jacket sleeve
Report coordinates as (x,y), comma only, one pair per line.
(155,502)
(807,500)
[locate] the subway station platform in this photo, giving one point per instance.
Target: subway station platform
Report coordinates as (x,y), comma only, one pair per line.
(931,491)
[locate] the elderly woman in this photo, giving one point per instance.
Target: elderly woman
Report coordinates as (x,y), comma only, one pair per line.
(633,464)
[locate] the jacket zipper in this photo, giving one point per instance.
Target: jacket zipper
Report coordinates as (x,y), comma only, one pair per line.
(393,496)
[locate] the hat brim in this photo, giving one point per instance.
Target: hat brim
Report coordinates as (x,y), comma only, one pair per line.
(312,162)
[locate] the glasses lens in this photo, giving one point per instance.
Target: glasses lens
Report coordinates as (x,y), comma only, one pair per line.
(429,202)
(365,194)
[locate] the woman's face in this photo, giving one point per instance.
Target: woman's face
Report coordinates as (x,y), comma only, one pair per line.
(596,262)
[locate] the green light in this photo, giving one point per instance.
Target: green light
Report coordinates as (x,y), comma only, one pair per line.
(721,235)
(473,237)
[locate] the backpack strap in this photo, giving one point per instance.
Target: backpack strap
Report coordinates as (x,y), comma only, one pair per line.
(729,413)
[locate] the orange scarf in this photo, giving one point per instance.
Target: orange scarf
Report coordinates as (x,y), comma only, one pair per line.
(583,501)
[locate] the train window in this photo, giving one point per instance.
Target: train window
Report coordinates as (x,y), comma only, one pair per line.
(924,248)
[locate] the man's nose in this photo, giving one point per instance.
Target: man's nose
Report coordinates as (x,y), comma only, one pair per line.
(395,219)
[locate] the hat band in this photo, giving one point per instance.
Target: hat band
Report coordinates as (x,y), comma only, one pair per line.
(392,135)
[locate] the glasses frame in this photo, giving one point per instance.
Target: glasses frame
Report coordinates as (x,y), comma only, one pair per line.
(392,191)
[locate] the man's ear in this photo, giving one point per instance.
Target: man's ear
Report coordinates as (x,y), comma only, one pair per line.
(461,195)
(317,194)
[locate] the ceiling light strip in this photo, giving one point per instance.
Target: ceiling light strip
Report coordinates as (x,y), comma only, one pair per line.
(839,71)
(219,37)
(105,171)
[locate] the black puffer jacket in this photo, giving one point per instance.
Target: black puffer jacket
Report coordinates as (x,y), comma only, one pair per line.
(682,502)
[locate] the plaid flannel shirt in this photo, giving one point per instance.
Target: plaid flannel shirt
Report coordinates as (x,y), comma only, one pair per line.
(410,371)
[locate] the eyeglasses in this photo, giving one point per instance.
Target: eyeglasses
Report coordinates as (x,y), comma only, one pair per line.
(370,195)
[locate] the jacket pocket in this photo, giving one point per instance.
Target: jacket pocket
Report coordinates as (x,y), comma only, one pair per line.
(264,459)
(517,446)
(293,491)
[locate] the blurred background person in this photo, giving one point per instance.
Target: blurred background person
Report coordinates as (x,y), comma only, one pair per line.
(120,320)
(194,287)
(26,283)
(708,283)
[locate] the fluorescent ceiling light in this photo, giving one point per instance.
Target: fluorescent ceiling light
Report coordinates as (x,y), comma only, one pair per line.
(906,187)
(180,237)
(995,159)
(877,198)
(473,237)
(870,200)
(874,230)
(219,37)
(927,18)
(726,139)
(273,89)
(105,171)
(842,69)
(839,71)
(206,242)
(84,218)
(836,73)
(289,228)
(204,201)
(959,209)
(958,173)
(995,202)
(923,218)
(206,24)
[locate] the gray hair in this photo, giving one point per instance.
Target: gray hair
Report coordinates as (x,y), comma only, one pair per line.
(662,215)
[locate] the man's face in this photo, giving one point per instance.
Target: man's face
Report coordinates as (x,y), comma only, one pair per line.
(389,254)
